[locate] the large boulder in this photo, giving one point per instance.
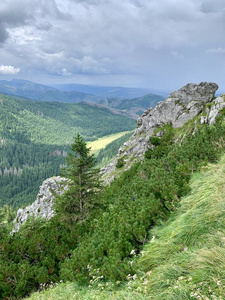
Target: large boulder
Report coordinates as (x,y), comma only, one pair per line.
(202,92)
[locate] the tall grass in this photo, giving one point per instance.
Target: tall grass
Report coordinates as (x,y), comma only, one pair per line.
(187,258)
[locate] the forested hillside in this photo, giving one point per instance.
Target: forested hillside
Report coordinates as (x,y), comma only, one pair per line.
(34,139)
(57,123)
(98,245)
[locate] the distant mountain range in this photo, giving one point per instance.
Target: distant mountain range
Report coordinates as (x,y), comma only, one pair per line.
(131,101)
(105,91)
(71,93)
(35,91)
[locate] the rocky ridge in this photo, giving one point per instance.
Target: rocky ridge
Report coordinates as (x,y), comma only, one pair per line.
(182,105)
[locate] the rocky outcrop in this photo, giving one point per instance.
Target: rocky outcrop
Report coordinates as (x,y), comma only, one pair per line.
(178,108)
(213,111)
(203,92)
(43,205)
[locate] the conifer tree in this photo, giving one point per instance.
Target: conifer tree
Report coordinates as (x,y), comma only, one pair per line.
(75,204)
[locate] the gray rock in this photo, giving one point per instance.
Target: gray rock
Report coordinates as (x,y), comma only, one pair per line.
(204,92)
(203,120)
(180,107)
(43,205)
(214,110)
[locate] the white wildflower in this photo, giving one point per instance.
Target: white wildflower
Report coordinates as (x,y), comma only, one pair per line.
(153,239)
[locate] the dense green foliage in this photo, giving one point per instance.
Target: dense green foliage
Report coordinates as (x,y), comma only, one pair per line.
(137,200)
(31,256)
(161,145)
(105,242)
(184,259)
(34,138)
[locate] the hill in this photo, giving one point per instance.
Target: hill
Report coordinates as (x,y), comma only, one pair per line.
(35,91)
(74,93)
(34,138)
(105,91)
(133,107)
(70,93)
(56,123)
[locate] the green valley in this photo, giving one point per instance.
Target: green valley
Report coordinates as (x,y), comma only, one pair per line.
(35,137)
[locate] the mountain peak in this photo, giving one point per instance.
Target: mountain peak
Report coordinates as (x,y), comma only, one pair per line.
(203,92)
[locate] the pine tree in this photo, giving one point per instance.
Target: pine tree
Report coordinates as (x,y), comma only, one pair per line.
(75,204)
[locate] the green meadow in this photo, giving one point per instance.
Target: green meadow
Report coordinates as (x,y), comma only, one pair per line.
(101,143)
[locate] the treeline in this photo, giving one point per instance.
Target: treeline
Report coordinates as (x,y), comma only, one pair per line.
(101,239)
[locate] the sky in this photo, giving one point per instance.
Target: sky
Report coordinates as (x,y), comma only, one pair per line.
(156,44)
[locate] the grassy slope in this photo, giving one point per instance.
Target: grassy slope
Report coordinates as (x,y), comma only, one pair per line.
(185,258)
(188,254)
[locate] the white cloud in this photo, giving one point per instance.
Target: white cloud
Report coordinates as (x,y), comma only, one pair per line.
(9,70)
(177,55)
(64,72)
(216,51)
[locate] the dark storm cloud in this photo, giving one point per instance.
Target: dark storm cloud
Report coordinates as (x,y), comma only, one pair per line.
(15,13)
(146,39)
(209,6)
(3,34)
